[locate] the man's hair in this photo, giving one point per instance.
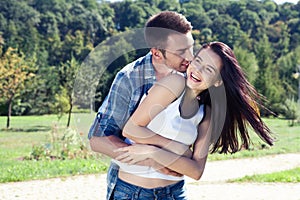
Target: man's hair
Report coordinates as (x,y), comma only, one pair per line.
(163,24)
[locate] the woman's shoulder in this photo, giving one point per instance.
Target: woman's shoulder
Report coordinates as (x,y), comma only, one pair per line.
(173,82)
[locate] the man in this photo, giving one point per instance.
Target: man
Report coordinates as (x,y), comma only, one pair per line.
(169,37)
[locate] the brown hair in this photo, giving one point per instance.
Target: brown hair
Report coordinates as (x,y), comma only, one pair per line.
(161,25)
(235,106)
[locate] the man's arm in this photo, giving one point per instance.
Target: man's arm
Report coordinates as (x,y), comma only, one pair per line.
(104,133)
(107,145)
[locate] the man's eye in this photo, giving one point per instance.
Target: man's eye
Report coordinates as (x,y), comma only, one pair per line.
(181,53)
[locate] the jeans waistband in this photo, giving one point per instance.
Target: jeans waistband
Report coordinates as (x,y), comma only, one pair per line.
(156,191)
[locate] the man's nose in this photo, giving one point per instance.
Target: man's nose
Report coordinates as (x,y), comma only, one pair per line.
(188,55)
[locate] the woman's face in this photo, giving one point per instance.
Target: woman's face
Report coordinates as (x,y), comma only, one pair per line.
(204,71)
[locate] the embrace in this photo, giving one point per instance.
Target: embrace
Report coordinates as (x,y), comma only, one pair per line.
(168,110)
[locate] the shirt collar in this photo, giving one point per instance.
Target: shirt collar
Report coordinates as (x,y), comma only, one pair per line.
(149,68)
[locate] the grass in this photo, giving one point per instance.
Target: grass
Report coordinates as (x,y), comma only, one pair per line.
(17,143)
(28,131)
(288,176)
(287,141)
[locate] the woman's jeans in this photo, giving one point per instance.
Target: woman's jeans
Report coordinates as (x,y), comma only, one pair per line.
(126,191)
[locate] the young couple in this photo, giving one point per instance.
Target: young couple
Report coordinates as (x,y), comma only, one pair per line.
(158,124)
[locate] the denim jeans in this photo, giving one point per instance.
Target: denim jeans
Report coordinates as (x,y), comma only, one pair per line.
(127,191)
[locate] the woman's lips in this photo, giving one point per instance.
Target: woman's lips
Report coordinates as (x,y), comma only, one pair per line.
(195,78)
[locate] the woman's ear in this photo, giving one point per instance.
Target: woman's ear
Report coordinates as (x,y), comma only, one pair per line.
(218,83)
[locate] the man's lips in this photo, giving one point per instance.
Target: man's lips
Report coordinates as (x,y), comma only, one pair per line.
(185,65)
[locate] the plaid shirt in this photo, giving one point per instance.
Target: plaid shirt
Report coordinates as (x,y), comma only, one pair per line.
(128,87)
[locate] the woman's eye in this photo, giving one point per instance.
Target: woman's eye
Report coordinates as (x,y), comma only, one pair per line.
(198,60)
(208,69)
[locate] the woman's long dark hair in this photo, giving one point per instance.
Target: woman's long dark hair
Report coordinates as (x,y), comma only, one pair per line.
(233,106)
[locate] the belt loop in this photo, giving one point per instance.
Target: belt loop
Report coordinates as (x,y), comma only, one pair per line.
(168,189)
(137,193)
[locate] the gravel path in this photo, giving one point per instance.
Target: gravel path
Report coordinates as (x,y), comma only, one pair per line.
(212,185)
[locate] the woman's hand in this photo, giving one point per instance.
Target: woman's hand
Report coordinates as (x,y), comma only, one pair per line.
(135,153)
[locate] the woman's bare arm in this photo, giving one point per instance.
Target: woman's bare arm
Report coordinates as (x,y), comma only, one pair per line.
(192,167)
(159,97)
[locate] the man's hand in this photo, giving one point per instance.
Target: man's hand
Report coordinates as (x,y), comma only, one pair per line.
(141,155)
(135,153)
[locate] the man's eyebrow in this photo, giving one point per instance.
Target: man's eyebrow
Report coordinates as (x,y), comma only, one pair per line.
(184,49)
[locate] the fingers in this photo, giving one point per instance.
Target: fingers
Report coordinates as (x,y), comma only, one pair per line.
(121,149)
(122,156)
(167,171)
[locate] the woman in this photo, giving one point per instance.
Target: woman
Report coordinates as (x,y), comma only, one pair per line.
(215,90)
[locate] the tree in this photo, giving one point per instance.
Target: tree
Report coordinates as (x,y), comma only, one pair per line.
(14,72)
(267,81)
(68,74)
(249,21)
(247,61)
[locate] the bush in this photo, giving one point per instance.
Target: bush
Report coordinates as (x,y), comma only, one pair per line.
(65,144)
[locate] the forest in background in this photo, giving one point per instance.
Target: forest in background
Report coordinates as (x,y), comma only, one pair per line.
(44,42)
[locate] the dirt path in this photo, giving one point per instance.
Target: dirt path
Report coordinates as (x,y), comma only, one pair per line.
(212,186)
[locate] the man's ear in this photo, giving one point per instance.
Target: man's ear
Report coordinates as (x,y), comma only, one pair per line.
(156,53)
(218,83)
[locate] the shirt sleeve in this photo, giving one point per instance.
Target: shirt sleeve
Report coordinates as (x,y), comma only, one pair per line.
(114,112)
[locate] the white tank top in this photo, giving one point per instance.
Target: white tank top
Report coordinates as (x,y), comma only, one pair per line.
(171,125)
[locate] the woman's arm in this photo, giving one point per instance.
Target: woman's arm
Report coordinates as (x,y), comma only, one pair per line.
(163,93)
(192,167)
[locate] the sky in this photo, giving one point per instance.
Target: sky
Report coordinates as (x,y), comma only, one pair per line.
(283,1)
(277,1)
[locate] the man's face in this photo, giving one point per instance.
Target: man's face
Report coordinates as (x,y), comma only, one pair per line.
(179,51)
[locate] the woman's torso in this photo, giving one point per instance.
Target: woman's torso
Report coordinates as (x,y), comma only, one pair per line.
(171,125)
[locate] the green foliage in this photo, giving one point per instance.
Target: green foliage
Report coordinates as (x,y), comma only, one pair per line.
(247,61)
(291,109)
(66,145)
(55,32)
(15,70)
(61,106)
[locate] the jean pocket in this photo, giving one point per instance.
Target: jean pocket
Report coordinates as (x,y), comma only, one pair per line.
(121,195)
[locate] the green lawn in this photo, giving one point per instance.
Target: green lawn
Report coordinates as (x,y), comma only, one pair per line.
(288,176)
(28,131)
(287,141)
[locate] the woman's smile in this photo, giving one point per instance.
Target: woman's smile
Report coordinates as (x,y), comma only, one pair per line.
(195,78)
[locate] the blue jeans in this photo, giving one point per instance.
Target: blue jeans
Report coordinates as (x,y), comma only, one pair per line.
(127,191)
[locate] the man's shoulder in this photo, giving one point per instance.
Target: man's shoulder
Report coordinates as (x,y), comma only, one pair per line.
(137,65)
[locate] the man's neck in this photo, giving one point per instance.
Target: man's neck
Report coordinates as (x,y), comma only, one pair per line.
(161,70)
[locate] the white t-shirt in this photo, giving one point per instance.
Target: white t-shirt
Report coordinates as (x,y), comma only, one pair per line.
(169,124)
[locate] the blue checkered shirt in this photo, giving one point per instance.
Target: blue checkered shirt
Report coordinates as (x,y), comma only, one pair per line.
(129,85)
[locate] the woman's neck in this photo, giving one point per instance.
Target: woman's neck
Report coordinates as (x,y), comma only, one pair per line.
(189,104)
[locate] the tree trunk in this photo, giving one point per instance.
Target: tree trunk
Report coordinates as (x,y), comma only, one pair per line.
(70,111)
(91,106)
(9,113)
